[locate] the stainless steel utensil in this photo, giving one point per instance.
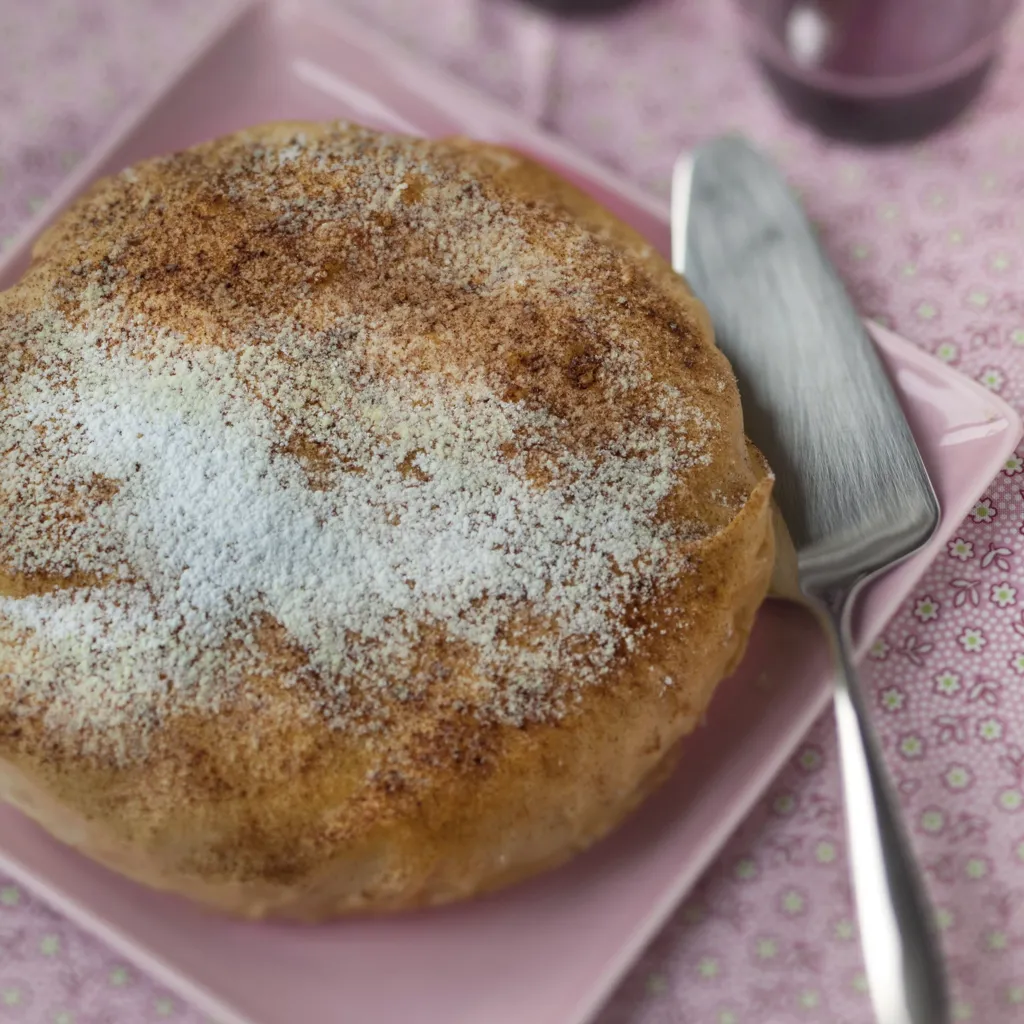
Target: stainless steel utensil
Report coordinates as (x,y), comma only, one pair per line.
(850,486)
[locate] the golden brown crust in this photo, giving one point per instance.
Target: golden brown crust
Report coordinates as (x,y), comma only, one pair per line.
(440,780)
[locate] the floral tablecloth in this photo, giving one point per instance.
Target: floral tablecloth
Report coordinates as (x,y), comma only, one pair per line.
(931,240)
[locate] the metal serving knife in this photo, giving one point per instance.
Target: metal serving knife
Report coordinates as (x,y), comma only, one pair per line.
(850,485)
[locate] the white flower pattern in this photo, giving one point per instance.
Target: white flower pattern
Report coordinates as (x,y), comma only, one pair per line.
(880,650)
(984,511)
(992,378)
(972,640)
(961,549)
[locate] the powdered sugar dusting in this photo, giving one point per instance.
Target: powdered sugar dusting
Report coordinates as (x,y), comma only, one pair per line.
(300,479)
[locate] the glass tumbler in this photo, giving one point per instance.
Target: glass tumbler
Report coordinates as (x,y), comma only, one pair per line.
(876,70)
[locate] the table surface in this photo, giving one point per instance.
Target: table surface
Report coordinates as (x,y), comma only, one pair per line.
(931,240)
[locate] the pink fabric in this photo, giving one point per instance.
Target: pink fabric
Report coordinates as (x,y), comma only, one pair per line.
(930,239)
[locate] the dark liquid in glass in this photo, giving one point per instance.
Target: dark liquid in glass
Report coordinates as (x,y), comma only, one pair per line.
(582,7)
(879,119)
(877,70)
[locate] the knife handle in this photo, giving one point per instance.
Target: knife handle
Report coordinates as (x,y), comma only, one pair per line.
(903,963)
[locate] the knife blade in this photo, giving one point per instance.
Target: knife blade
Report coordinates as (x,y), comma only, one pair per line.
(850,485)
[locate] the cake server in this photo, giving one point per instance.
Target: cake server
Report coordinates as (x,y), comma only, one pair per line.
(850,486)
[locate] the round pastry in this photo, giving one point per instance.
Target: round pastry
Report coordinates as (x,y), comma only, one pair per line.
(375,516)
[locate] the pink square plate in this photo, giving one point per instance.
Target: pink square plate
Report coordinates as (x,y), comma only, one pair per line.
(549,951)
